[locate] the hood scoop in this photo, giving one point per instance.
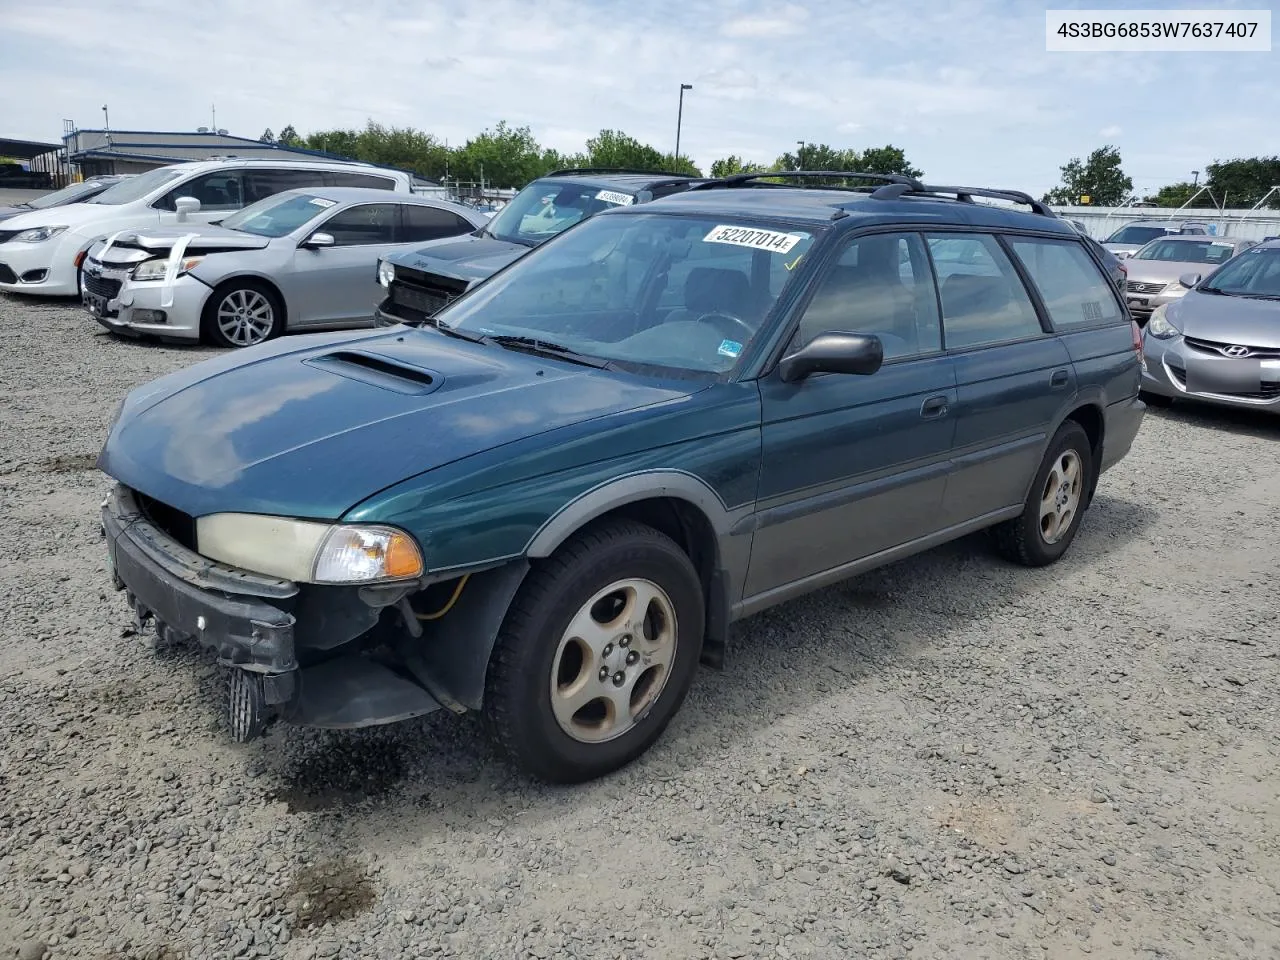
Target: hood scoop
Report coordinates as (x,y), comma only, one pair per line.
(378,371)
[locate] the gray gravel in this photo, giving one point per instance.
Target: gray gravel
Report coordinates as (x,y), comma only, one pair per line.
(948,758)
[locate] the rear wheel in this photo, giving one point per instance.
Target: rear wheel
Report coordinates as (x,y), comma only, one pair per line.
(1054,507)
(596,654)
(242,313)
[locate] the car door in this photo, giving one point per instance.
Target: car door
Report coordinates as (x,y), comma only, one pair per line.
(338,283)
(856,465)
(220,193)
(1012,374)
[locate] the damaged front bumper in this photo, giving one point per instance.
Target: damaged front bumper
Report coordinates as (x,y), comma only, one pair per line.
(252,624)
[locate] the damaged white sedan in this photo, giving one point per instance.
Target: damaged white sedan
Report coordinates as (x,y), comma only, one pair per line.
(299,260)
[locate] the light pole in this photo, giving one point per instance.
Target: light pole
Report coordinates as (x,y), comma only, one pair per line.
(680,115)
(1195,175)
(800,155)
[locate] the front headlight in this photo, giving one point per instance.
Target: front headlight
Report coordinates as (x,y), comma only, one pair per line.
(38,234)
(155,269)
(1159,326)
(386,273)
(309,551)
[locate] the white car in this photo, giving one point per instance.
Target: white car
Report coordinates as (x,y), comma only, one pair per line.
(42,252)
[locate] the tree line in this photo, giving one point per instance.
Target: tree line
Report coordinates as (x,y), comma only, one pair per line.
(510,156)
(1100,177)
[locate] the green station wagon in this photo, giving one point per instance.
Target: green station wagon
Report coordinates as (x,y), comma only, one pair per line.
(550,501)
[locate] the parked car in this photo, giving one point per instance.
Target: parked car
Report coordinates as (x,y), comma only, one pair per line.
(549,502)
(73,193)
(42,252)
(13,176)
(1153,271)
(298,260)
(1220,342)
(1128,239)
(420,283)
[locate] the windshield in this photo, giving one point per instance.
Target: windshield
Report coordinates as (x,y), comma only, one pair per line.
(277,215)
(1136,234)
(546,207)
(135,188)
(1255,273)
(1187,251)
(63,196)
(654,290)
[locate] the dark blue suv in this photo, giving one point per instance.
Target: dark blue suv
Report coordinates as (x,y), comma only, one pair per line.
(422,281)
(549,502)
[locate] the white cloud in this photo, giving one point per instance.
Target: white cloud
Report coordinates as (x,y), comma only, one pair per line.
(1110,131)
(966,89)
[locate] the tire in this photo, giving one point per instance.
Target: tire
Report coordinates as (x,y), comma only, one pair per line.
(1155,399)
(1025,539)
(538,699)
(242,313)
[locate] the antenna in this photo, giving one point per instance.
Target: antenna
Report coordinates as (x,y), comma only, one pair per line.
(213,116)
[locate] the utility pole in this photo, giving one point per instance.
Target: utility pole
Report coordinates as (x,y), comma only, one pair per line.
(680,115)
(213,116)
(800,155)
(1195,181)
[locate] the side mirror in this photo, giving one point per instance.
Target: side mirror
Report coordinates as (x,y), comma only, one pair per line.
(833,352)
(186,206)
(318,240)
(1189,280)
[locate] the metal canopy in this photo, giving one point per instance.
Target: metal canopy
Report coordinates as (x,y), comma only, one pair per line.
(26,149)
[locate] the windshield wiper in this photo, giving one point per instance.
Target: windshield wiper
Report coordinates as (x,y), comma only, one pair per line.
(549,349)
(1213,290)
(446,329)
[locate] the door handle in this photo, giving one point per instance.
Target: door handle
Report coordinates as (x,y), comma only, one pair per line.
(934,407)
(1059,378)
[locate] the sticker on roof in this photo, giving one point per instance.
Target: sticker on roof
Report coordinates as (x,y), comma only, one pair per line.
(613,196)
(322,202)
(774,241)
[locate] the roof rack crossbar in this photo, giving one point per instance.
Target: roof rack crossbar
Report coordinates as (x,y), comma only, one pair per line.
(964,195)
(582,171)
(747,179)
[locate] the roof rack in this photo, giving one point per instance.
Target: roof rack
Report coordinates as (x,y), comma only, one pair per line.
(893,191)
(747,179)
(571,171)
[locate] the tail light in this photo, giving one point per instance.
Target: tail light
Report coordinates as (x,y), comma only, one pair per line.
(1137,340)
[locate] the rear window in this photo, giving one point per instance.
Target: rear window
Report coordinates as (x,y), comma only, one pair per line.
(1074,290)
(1187,251)
(1137,234)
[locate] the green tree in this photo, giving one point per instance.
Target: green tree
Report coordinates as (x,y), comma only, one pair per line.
(1243,182)
(503,157)
(289,137)
(1176,194)
(728,166)
(1100,177)
(267,136)
(613,148)
(820,156)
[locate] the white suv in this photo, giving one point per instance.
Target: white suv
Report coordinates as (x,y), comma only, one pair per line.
(41,252)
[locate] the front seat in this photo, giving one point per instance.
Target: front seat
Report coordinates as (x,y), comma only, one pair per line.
(716,290)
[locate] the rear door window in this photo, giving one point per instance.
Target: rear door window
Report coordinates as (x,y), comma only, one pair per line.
(366,224)
(423,223)
(1074,289)
(983,299)
(262,183)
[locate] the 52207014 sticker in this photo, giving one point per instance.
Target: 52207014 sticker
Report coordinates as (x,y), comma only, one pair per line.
(774,241)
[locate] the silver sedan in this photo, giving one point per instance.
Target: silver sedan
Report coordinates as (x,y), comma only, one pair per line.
(298,260)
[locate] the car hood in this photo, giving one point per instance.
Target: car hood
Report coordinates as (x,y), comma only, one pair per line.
(1164,271)
(204,236)
(309,426)
(7,212)
(1225,319)
(472,258)
(71,215)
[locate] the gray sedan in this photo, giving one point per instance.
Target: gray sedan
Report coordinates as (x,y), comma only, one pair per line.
(1220,342)
(298,260)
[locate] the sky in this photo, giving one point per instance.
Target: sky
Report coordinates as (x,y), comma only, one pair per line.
(966,87)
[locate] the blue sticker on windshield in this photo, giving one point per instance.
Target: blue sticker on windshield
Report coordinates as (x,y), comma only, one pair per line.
(729,348)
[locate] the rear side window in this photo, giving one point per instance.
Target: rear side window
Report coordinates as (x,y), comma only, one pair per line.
(369,223)
(261,183)
(1074,290)
(341,178)
(983,299)
(422,223)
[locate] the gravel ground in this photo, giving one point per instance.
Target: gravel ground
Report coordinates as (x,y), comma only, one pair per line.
(949,758)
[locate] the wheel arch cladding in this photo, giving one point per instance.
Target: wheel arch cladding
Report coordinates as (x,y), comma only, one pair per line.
(678,504)
(1091,419)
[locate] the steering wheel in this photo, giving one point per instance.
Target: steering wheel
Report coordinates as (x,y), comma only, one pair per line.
(740,327)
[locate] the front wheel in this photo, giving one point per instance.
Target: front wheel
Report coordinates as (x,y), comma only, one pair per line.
(242,313)
(596,654)
(1054,507)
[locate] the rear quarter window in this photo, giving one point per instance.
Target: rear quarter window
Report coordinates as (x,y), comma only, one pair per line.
(1074,289)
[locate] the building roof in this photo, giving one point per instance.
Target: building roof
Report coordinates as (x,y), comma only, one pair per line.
(26,149)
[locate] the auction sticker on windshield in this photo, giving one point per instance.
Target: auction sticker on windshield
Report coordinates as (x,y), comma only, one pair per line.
(322,202)
(613,196)
(774,241)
